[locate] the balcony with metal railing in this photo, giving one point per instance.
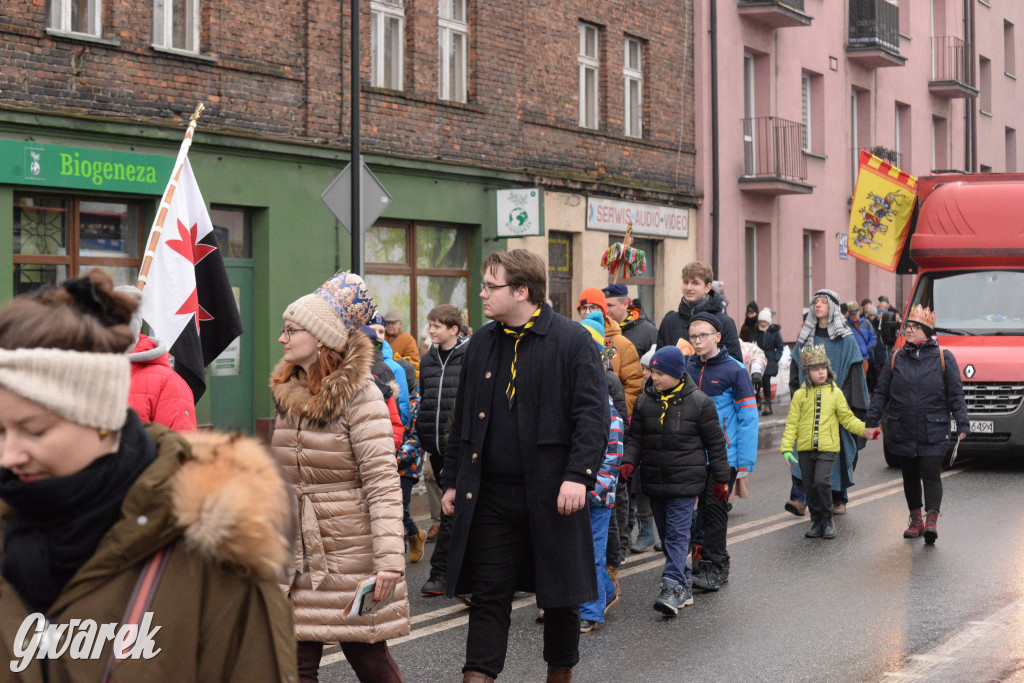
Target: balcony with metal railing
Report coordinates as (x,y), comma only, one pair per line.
(952,68)
(774,162)
(874,34)
(775,13)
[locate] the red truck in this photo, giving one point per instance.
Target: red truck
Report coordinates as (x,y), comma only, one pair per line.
(966,245)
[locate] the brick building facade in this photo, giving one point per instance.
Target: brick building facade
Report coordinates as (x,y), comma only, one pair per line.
(584,102)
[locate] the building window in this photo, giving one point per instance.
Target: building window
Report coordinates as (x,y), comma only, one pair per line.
(633,80)
(904,6)
(176,24)
(233,229)
(812,106)
(413,267)
(940,143)
(76,16)
(452,42)
(387,44)
(560,273)
(750,245)
(1009,51)
(985,84)
(57,237)
(984,169)
(1011,150)
(643,284)
(589,61)
(902,135)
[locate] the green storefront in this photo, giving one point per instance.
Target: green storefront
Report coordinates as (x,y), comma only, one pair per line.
(77,194)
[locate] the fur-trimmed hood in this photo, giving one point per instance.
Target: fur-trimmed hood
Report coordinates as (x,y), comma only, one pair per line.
(292,397)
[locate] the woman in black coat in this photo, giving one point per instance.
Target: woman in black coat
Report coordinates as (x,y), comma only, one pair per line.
(748,329)
(769,340)
(920,386)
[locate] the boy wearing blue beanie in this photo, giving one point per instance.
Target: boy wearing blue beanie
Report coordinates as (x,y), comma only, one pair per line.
(675,440)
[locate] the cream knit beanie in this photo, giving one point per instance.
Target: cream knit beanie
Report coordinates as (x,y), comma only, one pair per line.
(338,306)
(90,389)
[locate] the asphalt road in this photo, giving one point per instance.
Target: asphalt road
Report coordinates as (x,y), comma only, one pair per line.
(867,606)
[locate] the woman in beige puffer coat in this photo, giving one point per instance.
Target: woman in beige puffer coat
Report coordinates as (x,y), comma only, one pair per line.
(332,437)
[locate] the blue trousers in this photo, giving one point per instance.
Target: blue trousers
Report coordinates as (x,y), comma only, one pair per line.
(410,526)
(673,517)
(594,610)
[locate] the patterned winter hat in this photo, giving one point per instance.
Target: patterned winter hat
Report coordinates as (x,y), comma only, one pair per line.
(338,306)
(811,356)
(922,316)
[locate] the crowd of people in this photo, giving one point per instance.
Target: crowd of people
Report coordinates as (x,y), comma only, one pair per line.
(536,436)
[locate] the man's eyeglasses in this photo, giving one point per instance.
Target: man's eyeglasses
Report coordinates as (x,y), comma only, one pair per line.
(911,327)
(702,336)
(287,332)
(490,288)
(586,309)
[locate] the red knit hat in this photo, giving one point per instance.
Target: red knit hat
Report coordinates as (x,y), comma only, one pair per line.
(591,296)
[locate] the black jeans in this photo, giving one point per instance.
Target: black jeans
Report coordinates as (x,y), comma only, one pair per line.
(439,558)
(500,541)
(927,470)
(816,468)
(618,528)
(711,523)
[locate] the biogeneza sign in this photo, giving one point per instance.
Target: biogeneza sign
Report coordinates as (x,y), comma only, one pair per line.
(83,168)
(648,219)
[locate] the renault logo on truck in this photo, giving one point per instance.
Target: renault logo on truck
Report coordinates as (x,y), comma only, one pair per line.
(969,371)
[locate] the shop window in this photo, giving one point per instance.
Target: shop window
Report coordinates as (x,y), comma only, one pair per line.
(387,43)
(60,237)
(233,229)
(76,16)
(176,24)
(452,41)
(643,284)
(413,267)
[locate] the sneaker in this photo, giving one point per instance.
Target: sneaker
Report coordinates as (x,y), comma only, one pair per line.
(611,602)
(684,594)
(709,577)
(699,576)
(839,509)
(671,597)
(416,545)
(434,586)
(817,530)
(796,507)
(829,530)
(586,625)
(433,533)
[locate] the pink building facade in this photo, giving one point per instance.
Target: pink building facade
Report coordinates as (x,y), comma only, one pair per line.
(802,86)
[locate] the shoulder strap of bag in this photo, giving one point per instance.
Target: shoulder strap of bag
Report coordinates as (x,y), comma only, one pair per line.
(139,603)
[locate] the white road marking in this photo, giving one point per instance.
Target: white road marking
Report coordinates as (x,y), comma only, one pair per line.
(644,562)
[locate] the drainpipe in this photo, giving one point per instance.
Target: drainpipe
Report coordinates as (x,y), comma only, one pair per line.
(714,137)
(971,143)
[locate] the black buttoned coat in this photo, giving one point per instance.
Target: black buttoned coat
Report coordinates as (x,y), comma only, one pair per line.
(563,416)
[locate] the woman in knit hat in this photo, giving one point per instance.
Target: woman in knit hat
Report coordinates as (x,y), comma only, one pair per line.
(103,517)
(769,339)
(333,438)
(918,389)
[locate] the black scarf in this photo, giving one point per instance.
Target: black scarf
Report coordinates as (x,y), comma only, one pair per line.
(688,310)
(58,522)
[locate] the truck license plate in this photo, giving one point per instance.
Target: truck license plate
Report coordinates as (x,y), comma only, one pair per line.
(978,426)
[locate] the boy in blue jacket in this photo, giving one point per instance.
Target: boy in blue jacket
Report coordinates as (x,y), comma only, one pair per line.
(725,380)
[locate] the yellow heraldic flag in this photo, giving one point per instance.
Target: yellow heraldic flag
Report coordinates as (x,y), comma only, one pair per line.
(882,205)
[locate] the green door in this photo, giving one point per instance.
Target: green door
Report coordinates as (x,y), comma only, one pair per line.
(229,379)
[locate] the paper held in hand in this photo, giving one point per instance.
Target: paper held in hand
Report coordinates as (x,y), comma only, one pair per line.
(956,447)
(362,602)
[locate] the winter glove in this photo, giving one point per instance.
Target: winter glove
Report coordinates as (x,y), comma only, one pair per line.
(756,380)
(625,472)
(721,491)
(790,460)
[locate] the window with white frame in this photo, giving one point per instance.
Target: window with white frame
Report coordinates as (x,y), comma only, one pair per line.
(805,107)
(589,61)
(452,42)
(633,80)
(176,24)
(387,43)
(76,16)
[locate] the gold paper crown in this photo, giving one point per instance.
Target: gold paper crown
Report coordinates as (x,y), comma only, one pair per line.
(813,355)
(922,315)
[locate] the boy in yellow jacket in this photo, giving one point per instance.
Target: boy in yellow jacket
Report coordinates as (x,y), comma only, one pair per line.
(815,413)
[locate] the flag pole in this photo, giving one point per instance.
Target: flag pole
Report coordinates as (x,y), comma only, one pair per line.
(172,184)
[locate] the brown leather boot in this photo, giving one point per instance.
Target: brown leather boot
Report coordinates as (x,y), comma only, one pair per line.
(559,674)
(931,521)
(916,524)
(613,574)
(476,677)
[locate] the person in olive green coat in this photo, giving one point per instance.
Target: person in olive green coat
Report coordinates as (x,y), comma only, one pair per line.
(817,410)
(91,501)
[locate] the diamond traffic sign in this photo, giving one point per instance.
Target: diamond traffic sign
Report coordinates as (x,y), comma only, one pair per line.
(338,197)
